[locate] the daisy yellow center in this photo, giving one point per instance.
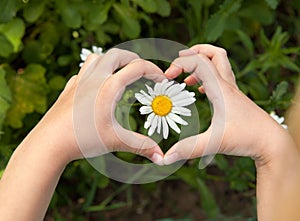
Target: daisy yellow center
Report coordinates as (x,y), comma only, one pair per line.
(161,105)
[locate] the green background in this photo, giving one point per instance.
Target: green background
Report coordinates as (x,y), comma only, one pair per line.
(40,44)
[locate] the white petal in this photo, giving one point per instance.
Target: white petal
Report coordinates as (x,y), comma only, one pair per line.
(165,128)
(142,99)
(94,48)
(175,89)
(85,51)
(166,86)
(84,54)
(153,125)
(83,57)
(184,102)
(182,95)
(164,81)
(147,124)
(172,124)
(157,89)
(146,95)
(149,120)
(150,91)
(145,110)
(97,50)
(280,120)
(177,119)
(181,111)
(159,125)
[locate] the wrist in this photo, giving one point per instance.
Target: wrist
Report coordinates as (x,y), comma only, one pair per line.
(278,180)
(49,142)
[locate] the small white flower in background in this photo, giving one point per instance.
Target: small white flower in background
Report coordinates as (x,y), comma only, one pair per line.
(279,120)
(164,103)
(86,52)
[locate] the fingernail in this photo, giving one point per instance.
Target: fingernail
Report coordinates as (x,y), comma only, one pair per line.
(172,70)
(186,52)
(167,72)
(157,159)
(171,158)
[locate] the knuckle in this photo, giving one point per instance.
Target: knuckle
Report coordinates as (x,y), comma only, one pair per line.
(139,61)
(113,51)
(92,57)
(222,52)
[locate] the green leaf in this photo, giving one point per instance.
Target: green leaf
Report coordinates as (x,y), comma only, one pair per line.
(6,46)
(163,8)
(14,31)
(280,90)
(33,10)
(71,17)
(5,96)
(130,26)
(102,37)
(29,90)
(9,9)
(247,42)
(263,38)
(289,64)
(98,12)
(216,24)
(132,123)
(147,5)
(257,11)
(49,35)
(188,175)
(273,3)
(32,52)
(70,14)
(57,83)
(208,201)
(221,162)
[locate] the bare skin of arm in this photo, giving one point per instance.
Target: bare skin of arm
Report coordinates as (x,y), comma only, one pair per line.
(249,131)
(35,167)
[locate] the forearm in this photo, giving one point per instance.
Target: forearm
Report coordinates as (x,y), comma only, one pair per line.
(278,183)
(30,178)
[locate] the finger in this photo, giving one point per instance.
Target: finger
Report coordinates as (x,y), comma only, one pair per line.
(111,92)
(188,148)
(219,58)
(136,143)
(98,68)
(201,90)
(137,69)
(132,72)
(114,59)
(191,80)
(202,70)
(91,59)
(71,82)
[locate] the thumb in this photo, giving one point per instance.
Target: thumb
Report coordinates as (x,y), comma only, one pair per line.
(189,148)
(136,143)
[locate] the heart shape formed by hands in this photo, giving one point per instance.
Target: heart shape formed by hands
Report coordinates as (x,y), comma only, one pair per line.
(101,86)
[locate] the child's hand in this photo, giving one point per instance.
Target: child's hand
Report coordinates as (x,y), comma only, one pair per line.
(239,127)
(82,121)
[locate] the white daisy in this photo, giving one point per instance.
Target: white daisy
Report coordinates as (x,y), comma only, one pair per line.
(279,120)
(86,52)
(164,103)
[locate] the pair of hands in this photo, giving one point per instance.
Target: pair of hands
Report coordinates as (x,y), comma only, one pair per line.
(246,129)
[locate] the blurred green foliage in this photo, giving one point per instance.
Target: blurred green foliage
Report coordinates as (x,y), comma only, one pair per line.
(40,43)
